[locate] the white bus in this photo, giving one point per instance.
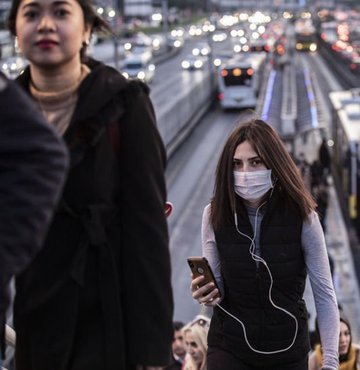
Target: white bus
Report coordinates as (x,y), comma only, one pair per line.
(239,80)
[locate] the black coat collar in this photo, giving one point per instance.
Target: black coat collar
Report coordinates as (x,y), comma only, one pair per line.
(99,87)
(101,100)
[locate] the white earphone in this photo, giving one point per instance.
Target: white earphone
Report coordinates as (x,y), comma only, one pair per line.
(257,258)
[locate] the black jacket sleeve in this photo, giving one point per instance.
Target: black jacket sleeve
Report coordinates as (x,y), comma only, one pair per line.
(33,162)
(148,293)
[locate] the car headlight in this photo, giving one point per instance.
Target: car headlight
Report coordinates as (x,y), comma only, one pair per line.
(185,64)
(217,62)
(141,75)
(237,48)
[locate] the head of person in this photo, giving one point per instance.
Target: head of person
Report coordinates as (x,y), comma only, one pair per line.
(344,339)
(178,343)
(195,336)
(255,158)
(52,33)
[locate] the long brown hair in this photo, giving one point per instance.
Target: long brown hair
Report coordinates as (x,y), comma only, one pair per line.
(270,148)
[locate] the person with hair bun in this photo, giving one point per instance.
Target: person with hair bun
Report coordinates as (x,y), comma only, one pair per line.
(98,296)
(262,237)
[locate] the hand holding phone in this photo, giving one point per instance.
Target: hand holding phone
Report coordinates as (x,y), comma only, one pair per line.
(200,267)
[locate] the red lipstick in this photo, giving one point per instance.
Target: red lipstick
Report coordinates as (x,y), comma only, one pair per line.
(46,44)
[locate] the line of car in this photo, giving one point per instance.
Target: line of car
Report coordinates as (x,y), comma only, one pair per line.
(198,57)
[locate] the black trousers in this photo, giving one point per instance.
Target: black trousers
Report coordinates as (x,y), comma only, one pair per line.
(218,359)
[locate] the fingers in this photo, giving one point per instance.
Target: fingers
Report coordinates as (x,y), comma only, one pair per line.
(195,284)
(211,299)
(213,303)
(206,294)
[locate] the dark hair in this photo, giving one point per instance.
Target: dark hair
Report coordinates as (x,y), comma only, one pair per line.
(270,148)
(178,325)
(90,18)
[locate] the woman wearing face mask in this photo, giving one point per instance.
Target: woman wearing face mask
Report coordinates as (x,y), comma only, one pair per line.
(349,352)
(261,236)
(80,305)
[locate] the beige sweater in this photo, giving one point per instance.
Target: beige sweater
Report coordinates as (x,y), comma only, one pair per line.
(58,106)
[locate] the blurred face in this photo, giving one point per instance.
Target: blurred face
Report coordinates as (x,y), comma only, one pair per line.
(51,32)
(178,345)
(193,349)
(246,159)
(344,339)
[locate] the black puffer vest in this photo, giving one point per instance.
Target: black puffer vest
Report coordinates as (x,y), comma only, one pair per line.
(247,287)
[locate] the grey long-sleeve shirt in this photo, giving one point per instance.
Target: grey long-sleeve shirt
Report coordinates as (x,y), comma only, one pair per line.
(317,265)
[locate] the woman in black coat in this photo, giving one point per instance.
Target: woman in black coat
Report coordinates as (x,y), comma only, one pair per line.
(99,294)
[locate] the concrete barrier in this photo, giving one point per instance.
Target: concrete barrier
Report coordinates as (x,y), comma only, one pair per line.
(186,108)
(180,115)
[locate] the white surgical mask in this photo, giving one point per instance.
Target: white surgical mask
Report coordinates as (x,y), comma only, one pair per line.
(252,185)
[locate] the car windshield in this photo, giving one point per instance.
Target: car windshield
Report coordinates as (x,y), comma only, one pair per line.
(134,66)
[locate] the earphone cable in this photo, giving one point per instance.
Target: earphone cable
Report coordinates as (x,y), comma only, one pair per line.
(257,258)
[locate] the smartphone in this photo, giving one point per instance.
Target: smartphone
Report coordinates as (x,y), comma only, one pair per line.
(200,266)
